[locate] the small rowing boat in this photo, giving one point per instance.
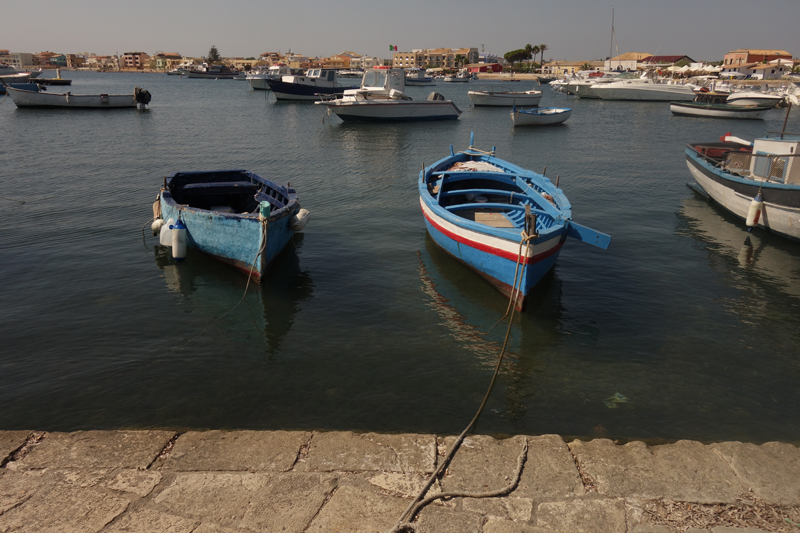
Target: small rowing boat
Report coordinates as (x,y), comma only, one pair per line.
(541,116)
(505,223)
(235,216)
(701,109)
(35,98)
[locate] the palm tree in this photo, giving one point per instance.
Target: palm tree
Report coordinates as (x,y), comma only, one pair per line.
(534,52)
(542,48)
(458,60)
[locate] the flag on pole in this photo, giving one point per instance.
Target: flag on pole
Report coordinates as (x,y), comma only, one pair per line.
(392,48)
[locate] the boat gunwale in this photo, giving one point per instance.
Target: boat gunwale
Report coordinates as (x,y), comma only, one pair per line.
(707,164)
(561,216)
(275,214)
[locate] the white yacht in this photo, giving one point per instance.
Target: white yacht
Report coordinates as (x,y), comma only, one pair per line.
(381,98)
(646,90)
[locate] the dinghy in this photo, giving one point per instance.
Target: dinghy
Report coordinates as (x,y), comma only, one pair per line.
(541,116)
(234,216)
(504,223)
(33,98)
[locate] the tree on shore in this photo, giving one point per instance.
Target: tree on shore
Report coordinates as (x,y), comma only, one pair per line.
(515,56)
(213,55)
(586,66)
(459,60)
(542,48)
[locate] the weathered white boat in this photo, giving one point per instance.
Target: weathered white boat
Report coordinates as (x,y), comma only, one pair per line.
(504,97)
(381,98)
(540,116)
(758,182)
(462,77)
(258,77)
(417,76)
(701,109)
(29,98)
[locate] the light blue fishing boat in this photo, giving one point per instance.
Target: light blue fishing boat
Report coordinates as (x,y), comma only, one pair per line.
(505,223)
(234,216)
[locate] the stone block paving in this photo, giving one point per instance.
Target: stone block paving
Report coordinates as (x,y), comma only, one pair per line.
(322,482)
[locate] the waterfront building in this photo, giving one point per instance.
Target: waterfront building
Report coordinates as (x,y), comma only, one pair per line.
(18,60)
(742,62)
(623,62)
(664,61)
(134,60)
(565,68)
(434,58)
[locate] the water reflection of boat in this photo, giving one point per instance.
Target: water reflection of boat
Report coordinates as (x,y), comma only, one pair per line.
(768,258)
(271,306)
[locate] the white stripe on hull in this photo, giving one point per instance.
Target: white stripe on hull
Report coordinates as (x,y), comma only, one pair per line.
(777,218)
(506,245)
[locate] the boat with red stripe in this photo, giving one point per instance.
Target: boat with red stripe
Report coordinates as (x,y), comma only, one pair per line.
(505,223)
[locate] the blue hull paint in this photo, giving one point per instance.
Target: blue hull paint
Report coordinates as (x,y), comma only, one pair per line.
(299,91)
(498,271)
(237,238)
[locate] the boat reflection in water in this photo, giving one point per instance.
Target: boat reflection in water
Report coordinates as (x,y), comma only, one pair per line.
(469,308)
(212,289)
(755,262)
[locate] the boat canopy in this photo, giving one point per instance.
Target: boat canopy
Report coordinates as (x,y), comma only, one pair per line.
(387,79)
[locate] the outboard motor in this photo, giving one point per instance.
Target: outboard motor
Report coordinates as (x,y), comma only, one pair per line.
(434,96)
(142,96)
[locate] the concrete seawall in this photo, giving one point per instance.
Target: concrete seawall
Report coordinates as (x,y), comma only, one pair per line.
(297,481)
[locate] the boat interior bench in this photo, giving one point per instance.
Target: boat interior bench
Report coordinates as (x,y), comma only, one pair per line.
(239,195)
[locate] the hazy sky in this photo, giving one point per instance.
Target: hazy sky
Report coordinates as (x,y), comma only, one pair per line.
(574,30)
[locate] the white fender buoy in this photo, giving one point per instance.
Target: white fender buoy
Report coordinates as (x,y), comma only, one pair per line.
(179,241)
(754,213)
(299,221)
(165,236)
(156,226)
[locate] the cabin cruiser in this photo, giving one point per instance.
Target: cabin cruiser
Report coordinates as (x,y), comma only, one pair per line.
(14,74)
(259,76)
(417,76)
(645,89)
(316,82)
(381,98)
(215,72)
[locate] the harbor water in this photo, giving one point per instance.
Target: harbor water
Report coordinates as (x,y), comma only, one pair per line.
(687,327)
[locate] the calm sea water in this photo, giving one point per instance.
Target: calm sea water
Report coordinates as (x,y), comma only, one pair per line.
(686,327)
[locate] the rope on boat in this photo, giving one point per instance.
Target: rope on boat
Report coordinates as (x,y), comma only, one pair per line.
(264,230)
(403,524)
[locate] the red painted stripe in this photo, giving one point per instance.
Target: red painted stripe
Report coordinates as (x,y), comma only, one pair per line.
(491,249)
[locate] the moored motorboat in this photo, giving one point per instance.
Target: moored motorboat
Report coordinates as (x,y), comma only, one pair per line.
(381,98)
(644,90)
(758,182)
(234,216)
(37,98)
(504,97)
(258,78)
(542,116)
(213,72)
(702,109)
(312,86)
(757,98)
(462,77)
(417,76)
(505,223)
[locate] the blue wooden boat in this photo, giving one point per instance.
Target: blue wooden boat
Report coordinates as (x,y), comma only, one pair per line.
(234,216)
(498,219)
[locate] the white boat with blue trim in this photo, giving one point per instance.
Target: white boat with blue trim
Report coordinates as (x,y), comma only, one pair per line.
(505,223)
(757,181)
(540,116)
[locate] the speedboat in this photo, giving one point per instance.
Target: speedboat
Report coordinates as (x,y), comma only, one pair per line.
(503,222)
(37,98)
(504,97)
(758,181)
(540,116)
(644,89)
(417,76)
(703,109)
(312,86)
(757,98)
(462,77)
(381,98)
(10,70)
(235,216)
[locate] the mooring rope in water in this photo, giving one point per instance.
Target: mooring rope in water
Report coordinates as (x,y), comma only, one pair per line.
(403,524)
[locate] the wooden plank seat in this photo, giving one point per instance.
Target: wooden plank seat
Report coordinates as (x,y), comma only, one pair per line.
(219,184)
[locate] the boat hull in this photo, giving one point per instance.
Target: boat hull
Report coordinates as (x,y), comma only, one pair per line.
(23,98)
(397,111)
(300,91)
(781,211)
(692,109)
(492,258)
(493,99)
(644,92)
(540,117)
(232,238)
(753,98)
(258,84)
